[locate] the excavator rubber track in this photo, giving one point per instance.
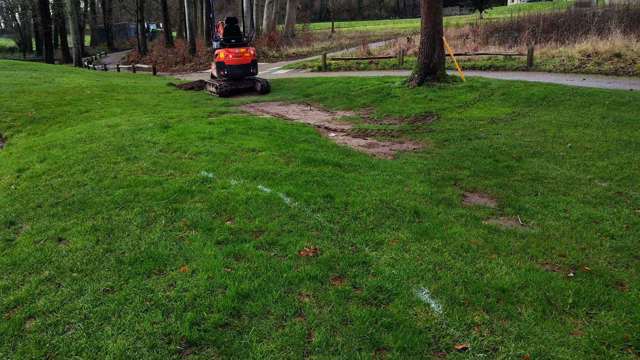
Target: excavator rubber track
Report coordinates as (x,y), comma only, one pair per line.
(227,87)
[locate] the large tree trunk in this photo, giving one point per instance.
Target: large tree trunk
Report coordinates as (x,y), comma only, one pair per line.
(73,9)
(268,17)
(166,24)
(142,28)
(206,22)
(247,18)
(35,29)
(107,22)
(60,23)
(290,19)
(430,66)
(83,23)
(93,22)
(44,13)
(256,17)
(181,30)
(189,9)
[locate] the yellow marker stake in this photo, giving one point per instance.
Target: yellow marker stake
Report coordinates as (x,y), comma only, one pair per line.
(454,58)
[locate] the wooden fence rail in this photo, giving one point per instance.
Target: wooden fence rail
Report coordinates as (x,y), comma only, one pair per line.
(402,53)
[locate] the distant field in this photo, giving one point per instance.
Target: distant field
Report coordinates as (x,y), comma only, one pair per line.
(405,24)
(6,44)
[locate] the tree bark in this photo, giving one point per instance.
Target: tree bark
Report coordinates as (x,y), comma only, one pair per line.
(166,24)
(44,15)
(431,59)
(189,7)
(290,19)
(269,16)
(141,27)
(35,29)
(93,22)
(206,22)
(73,9)
(60,22)
(256,17)
(181,31)
(107,22)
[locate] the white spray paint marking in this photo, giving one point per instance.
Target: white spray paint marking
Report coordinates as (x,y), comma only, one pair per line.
(234,182)
(206,174)
(287,200)
(425,295)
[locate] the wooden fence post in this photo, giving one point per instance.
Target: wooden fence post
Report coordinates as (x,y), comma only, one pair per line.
(118,67)
(133,68)
(324,62)
(154,69)
(401,57)
(530,61)
(104,67)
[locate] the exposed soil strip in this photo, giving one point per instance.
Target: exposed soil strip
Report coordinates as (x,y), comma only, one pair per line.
(478,199)
(328,125)
(506,223)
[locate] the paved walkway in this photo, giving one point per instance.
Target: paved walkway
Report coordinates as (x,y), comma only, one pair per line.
(275,71)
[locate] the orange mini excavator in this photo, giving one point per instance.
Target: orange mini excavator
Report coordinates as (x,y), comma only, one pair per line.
(235,64)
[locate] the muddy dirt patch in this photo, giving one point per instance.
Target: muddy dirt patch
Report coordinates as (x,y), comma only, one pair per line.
(478,199)
(329,125)
(198,85)
(2,141)
(506,223)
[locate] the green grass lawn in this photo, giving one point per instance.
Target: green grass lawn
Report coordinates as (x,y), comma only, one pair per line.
(7,45)
(497,12)
(135,222)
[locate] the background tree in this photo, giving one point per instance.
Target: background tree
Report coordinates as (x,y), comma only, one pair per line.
(189,7)
(107,22)
(93,22)
(269,17)
(166,24)
(290,19)
(430,66)
(60,24)
(481,6)
(73,13)
(141,27)
(45,29)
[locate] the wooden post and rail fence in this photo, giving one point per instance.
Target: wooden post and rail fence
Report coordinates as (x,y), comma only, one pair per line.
(90,63)
(400,56)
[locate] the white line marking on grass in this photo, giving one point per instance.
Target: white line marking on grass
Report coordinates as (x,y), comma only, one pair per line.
(264,189)
(281,71)
(206,174)
(425,295)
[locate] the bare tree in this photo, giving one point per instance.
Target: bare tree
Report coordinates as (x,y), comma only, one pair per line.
(44,15)
(107,22)
(141,28)
(166,24)
(93,22)
(430,66)
(290,19)
(60,24)
(189,15)
(269,17)
(73,11)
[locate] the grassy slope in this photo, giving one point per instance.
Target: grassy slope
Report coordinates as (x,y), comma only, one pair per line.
(112,243)
(407,24)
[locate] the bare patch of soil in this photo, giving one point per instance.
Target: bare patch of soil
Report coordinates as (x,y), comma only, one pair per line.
(2,141)
(328,125)
(506,223)
(198,85)
(478,199)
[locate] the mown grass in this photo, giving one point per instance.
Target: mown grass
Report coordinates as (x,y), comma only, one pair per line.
(132,224)
(7,45)
(497,12)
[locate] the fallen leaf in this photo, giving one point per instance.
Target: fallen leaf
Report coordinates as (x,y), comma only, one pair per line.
(309,252)
(184,269)
(311,335)
(461,347)
(228,270)
(622,286)
(440,355)
(577,332)
(526,357)
(304,297)
(586,268)
(337,280)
